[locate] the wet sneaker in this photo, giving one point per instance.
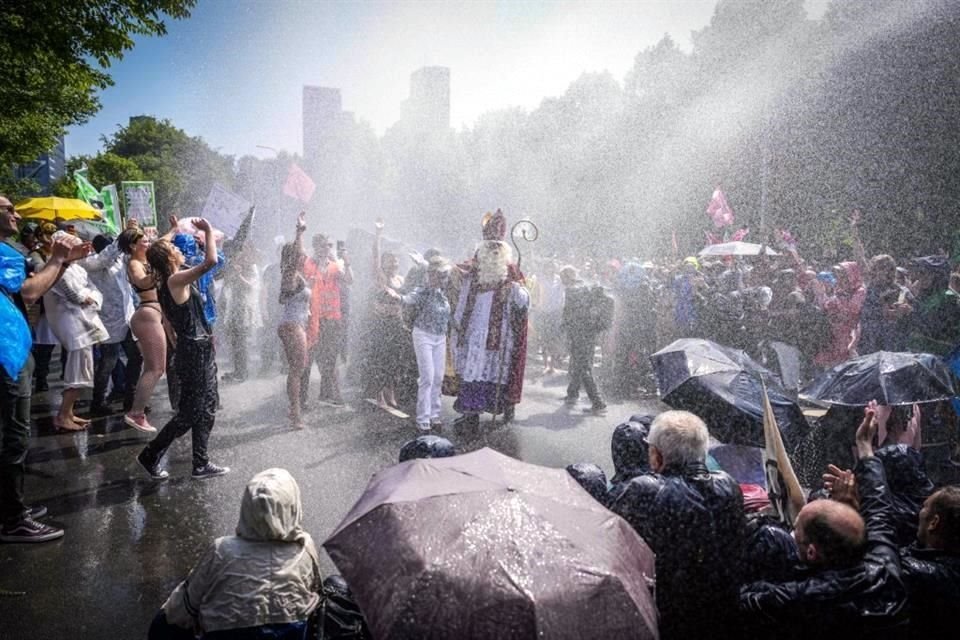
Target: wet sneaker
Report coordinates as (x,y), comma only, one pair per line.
(139,422)
(29,530)
(209,470)
(597,409)
(155,471)
(423,426)
(36,512)
(436,424)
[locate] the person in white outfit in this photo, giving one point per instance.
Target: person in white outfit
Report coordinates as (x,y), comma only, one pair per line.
(108,273)
(72,307)
(429,310)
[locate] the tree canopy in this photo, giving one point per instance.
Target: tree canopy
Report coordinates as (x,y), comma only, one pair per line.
(54,58)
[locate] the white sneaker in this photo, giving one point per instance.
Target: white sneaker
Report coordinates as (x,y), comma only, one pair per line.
(423,426)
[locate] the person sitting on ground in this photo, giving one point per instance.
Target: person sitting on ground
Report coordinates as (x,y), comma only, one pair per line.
(630,452)
(853,587)
(693,520)
(427,446)
(260,583)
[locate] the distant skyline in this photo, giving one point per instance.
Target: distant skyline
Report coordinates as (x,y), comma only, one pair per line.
(233,73)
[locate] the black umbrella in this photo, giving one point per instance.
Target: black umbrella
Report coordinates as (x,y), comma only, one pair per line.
(723,386)
(889,377)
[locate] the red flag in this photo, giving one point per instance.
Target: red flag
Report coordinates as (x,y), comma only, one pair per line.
(719,211)
(298,184)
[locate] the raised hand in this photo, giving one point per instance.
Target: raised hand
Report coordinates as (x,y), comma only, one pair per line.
(201,224)
(842,485)
(866,432)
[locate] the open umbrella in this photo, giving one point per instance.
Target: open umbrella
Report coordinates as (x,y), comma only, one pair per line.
(889,377)
(737,248)
(51,208)
(485,546)
(722,385)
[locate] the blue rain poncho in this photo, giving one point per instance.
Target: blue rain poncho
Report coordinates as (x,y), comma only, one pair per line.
(15,339)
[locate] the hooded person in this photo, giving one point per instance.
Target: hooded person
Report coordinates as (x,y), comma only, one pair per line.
(629,450)
(843,313)
(266,577)
(489,339)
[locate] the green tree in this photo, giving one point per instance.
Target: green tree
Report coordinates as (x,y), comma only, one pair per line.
(53,61)
(182,167)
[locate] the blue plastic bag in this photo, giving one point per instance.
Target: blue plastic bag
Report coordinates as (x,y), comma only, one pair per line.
(15,339)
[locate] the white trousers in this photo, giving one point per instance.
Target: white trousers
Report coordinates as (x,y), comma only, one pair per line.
(431,351)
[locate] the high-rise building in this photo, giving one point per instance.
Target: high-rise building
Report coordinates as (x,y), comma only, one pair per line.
(322,113)
(46,169)
(428,107)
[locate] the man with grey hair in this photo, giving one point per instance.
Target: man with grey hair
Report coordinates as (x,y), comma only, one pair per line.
(693,520)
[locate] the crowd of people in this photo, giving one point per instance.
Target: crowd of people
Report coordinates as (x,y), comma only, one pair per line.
(876,552)
(827,313)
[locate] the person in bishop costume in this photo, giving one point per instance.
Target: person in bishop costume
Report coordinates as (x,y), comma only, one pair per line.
(489,337)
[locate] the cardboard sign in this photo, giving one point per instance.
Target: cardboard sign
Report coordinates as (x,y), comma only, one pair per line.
(225,210)
(139,202)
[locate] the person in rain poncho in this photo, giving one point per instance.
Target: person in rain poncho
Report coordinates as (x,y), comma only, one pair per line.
(266,577)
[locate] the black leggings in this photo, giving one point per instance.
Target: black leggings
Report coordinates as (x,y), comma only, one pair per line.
(196,369)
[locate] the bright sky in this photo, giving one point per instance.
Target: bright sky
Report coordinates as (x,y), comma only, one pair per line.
(233,73)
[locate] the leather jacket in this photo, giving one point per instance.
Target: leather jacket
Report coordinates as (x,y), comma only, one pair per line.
(865,600)
(933,582)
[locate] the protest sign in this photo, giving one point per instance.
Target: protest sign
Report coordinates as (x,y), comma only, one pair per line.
(111,206)
(225,210)
(139,202)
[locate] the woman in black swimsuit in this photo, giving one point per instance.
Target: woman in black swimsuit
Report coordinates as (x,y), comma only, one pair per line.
(195,363)
(146,325)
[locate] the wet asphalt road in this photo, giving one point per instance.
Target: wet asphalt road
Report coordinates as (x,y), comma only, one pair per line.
(130,539)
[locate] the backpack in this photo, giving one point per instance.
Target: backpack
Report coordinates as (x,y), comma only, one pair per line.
(338,617)
(601,309)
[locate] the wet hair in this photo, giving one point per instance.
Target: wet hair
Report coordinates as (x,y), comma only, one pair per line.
(386,256)
(100,242)
(884,264)
(128,239)
(945,503)
(162,258)
(837,547)
(680,436)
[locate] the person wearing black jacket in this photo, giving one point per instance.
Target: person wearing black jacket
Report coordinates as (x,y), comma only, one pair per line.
(693,520)
(582,337)
(931,567)
(854,586)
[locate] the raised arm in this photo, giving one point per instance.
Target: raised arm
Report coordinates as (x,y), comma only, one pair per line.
(186,277)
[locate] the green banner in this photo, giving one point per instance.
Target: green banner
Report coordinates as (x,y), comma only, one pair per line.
(111,208)
(139,202)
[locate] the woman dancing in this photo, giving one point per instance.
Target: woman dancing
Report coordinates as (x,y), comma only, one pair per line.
(195,363)
(146,325)
(295,311)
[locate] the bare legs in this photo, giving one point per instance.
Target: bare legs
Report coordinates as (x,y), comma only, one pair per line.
(148,329)
(294,340)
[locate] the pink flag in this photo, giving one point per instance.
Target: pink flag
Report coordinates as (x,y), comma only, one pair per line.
(739,234)
(298,184)
(719,211)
